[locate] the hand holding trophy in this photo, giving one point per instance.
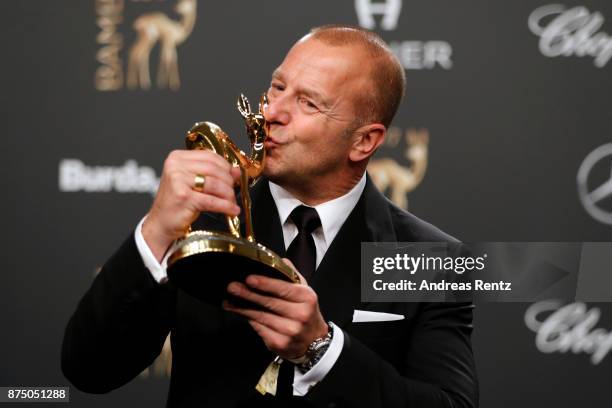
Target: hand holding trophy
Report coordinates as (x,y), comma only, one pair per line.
(203,263)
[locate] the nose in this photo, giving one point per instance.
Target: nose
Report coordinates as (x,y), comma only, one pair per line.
(277,111)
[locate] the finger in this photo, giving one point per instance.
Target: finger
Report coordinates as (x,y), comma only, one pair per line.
(279,288)
(212,185)
(303,280)
(271,338)
(208,169)
(206,156)
(279,306)
(180,159)
(218,188)
(278,324)
(207,202)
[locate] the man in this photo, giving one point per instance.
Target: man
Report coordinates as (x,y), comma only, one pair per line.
(331,101)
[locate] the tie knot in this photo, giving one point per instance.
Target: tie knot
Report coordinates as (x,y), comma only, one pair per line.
(305,218)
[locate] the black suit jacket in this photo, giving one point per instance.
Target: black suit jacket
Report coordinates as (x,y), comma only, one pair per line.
(425,360)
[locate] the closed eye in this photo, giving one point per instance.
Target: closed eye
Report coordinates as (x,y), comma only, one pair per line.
(308,104)
(278,87)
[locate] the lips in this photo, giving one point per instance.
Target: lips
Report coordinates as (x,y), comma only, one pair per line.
(271,143)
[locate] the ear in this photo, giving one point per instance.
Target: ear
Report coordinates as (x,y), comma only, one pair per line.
(366,140)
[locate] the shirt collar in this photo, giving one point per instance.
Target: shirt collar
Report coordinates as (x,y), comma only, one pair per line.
(332,213)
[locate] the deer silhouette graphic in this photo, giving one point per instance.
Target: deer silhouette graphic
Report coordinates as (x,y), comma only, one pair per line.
(158,27)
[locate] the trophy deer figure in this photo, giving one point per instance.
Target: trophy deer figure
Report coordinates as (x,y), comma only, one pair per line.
(158,27)
(386,173)
(207,135)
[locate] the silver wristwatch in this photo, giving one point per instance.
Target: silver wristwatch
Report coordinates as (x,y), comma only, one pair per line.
(315,351)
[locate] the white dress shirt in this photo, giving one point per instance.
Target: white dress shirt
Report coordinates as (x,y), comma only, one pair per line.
(333,214)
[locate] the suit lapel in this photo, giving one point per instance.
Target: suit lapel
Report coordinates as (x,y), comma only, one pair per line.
(337,280)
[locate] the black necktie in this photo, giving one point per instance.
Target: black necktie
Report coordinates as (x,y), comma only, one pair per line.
(302,251)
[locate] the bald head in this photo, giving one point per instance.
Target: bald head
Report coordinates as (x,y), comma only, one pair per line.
(387,78)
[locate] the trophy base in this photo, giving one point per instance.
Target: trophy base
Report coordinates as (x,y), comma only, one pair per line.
(203,263)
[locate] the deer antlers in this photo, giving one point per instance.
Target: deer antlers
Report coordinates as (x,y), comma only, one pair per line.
(256,126)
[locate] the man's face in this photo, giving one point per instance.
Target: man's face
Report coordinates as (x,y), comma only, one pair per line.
(311,112)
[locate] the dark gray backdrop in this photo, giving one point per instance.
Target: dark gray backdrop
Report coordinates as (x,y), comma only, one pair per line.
(509,128)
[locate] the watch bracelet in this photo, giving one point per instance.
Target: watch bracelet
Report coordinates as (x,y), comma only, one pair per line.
(316,350)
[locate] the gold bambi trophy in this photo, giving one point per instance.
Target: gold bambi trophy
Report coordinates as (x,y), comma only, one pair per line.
(203,263)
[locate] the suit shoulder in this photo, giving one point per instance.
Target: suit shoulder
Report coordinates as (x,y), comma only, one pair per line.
(409,227)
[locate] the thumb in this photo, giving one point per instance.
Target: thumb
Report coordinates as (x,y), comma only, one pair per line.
(302,279)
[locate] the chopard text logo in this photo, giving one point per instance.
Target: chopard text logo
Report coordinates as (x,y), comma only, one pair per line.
(569,328)
(571,32)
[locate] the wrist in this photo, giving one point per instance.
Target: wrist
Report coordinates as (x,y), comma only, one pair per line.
(157,241)
(315,351)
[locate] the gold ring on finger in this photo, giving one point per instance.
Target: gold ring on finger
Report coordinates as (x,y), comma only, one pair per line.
(198,183)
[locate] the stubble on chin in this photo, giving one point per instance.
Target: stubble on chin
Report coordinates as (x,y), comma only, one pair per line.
(270,172)
(277,175)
